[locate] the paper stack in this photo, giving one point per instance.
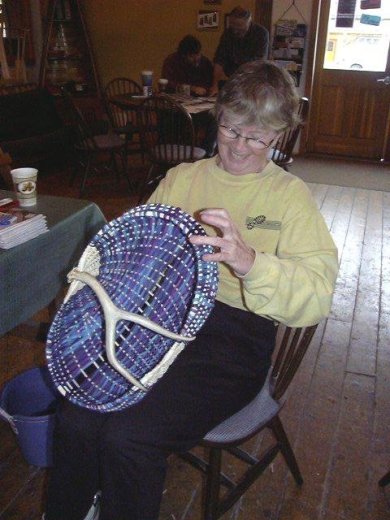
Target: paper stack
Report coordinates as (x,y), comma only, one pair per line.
(19,225)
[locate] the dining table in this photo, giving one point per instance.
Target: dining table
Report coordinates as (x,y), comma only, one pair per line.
(199,107)
(33,273)
(193,104)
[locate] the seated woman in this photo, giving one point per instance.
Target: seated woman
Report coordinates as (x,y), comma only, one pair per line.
(278,263)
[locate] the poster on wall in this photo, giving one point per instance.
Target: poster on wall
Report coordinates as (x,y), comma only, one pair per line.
(370,4)
(369,19)
(208,20)
(345,13)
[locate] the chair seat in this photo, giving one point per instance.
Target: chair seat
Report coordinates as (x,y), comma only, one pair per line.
(103,142)
(248,420)
(177,152)
(128,129)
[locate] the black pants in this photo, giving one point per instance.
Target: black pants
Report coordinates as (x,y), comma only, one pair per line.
(124,454)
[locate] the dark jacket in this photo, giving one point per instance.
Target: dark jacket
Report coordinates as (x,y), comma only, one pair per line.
(233,52)
(178,71)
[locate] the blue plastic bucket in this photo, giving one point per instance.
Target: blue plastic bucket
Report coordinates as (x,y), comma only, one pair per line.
(28,402)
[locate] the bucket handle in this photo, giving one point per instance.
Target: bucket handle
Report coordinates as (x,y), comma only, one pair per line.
(10,419)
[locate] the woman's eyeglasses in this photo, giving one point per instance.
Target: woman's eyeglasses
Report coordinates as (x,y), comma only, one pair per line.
(253,142)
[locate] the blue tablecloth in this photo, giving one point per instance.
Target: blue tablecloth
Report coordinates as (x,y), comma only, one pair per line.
(32,273)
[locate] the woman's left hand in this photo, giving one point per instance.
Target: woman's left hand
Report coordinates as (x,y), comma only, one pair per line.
(230,247)
(198,91)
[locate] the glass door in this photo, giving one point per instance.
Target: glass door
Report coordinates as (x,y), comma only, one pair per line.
(350,98)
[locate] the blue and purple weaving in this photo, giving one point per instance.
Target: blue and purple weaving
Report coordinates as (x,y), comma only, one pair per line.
(145,263)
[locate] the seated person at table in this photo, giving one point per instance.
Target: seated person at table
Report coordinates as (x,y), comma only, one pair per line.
(277,263)
(241,42)
(187,66)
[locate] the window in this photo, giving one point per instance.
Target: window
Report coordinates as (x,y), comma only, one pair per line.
(3,24)
(364,46)
(17,30)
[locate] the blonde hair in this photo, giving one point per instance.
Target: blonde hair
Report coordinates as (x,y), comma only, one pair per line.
(260,94)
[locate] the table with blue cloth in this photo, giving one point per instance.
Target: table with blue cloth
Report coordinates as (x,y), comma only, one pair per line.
(32,273)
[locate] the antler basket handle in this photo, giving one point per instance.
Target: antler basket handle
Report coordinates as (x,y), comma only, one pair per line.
(112,314)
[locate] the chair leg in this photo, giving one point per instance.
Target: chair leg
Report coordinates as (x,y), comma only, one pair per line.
(73,175)
(84,180)
(216,506)
(144,186)
(74,166)
(114,166)
(385,480)
(212,487)
(123,157)
(286,449)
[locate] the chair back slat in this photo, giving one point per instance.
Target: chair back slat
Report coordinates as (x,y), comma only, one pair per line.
(288,356)
(116,87)
(283,148)
(82,134)
(167,131)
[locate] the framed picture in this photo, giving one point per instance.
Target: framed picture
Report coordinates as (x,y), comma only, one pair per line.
(208,19)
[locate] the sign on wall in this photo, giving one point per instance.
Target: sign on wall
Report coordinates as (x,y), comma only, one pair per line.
(345,13)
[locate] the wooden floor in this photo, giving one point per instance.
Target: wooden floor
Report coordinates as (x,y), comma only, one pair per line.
(338,413)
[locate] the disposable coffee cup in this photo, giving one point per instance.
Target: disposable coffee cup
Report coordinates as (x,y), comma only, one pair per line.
(162,84)
(25,185)
(147,78)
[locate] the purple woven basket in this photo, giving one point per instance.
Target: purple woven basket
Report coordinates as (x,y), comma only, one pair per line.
(143,264)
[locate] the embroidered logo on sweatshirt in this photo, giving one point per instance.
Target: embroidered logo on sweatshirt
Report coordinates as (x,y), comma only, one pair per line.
(261,222)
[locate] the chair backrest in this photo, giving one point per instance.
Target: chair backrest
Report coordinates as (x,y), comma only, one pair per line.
(292,345)
(116,87)
(167,131)
(283,149)
(82,134)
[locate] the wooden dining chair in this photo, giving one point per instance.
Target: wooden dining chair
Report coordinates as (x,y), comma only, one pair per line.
(261,413)
(282,151)
(94,152)
(124,121)
(168,138)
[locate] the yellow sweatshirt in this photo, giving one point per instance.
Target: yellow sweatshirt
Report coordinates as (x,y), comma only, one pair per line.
(293,276)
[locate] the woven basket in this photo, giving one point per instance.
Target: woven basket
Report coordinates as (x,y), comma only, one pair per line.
(141,291)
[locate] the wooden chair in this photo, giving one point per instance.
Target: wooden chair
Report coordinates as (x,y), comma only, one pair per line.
(5,168)
(124,122)
(168,138)
(261,413)
(93,149)
(282,151)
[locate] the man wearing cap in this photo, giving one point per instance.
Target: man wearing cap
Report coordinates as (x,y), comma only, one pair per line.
(241,42)
(187,66)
